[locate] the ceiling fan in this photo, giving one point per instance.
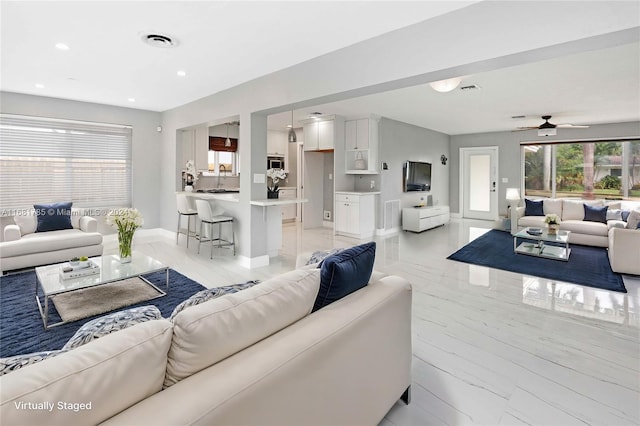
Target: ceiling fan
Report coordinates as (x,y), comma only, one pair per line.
(549,129)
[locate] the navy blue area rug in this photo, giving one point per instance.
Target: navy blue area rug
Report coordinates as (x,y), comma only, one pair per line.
(21,328)
(587,265)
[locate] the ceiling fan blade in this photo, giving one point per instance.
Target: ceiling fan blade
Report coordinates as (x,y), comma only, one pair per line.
(571,126)
(518,129)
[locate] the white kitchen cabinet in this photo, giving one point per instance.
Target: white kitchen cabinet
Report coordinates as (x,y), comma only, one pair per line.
(418,219)
(277,143)
(319,135)
(354,214)
(361,143)
(288,211)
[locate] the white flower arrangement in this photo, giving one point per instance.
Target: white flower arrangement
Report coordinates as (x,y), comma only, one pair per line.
(551,219)
(191,170)
(276,175)
(127,221)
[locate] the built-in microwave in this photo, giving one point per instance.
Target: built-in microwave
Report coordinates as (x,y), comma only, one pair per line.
(275,162)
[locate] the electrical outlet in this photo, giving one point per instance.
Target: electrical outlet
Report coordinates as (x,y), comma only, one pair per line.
(373,184)
(327,215)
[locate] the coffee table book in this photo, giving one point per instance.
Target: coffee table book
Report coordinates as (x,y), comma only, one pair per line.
(77,272)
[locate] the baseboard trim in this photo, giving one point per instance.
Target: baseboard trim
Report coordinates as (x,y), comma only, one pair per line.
(327,224)
(382,232)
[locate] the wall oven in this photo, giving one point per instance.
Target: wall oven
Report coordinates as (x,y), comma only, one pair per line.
(275,162)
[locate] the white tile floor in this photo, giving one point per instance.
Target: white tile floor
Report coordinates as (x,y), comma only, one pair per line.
(490,347)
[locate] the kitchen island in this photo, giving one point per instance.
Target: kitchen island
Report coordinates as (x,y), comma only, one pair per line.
(271,214)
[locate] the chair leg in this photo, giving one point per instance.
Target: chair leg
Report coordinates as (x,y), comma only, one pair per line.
(178,230)
(200,240)
(233,238)
(211,239)
(188,229)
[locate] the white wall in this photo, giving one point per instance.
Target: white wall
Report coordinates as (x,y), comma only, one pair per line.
(147,166)
(509,161)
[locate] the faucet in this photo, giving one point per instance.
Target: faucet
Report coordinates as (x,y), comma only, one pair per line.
(220,168)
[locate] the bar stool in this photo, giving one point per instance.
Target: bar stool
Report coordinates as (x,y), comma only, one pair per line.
(185,209)
(211,216)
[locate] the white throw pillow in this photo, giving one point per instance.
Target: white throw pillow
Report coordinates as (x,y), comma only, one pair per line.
(552,206)
(27,221)
(633,219)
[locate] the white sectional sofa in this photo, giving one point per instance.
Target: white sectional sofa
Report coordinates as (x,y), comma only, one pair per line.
(23,247)
(622,242)
(255,357)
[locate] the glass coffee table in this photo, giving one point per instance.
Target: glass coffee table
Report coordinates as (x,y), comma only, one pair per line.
(49,280)
(550,246)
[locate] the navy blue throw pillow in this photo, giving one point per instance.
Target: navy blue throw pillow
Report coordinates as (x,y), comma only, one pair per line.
(533,208)
(345,272)
(595,213)
(53,217)
(625,214)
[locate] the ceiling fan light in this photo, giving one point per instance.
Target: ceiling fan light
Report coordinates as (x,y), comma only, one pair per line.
(547,132)
(446,85)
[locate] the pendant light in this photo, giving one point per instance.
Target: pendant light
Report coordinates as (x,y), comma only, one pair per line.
(292,133)
(227,143)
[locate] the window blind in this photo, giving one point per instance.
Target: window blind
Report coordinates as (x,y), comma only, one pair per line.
(48,160)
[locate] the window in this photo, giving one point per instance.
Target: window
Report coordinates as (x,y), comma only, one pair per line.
(223,159)
(605,169)
(48,160)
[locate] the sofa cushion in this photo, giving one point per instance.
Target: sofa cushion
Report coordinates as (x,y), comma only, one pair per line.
(40,242)
(615,205)
(552,206)
(616,224)
(532,221)
(595,213)
(533,208)
(111,323)
(13,363)
(572,210)
(585,227)
(211,331)
(345,272)
(53,217)
(210,293)
(112,373)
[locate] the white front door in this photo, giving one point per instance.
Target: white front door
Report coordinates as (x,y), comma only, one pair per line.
(479,173)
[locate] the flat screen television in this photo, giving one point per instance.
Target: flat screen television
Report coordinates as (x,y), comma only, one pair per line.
(416,176)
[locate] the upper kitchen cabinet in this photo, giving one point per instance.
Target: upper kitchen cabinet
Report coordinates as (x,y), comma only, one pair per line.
(195,146)
(319,134)
(361,146)
(277,143)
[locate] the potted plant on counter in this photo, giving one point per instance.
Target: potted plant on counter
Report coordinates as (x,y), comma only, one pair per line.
(275,175)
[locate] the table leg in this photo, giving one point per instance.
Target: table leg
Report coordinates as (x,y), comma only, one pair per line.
(167,277)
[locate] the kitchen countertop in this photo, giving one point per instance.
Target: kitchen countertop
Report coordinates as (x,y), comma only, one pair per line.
(233,197)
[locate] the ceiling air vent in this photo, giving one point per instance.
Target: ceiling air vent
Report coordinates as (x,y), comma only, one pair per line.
(470,87)
(159,40)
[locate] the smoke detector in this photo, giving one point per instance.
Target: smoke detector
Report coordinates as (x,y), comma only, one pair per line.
(159,40)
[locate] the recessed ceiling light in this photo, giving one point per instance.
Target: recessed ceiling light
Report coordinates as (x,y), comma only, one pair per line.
(40,85)
(182,73)
(62,46)
(131,99)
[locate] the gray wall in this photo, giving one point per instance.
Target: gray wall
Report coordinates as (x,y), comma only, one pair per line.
(147,167)
(509,156)
(400,142)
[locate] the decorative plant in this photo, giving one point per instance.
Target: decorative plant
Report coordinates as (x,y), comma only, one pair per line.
(83,258)
(551,219)
(276,175)
(191,170)
(127,221)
